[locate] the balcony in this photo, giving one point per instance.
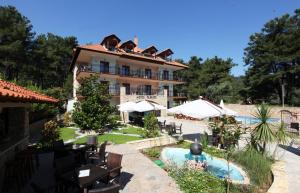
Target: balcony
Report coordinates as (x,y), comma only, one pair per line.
(143,91)
(86,70)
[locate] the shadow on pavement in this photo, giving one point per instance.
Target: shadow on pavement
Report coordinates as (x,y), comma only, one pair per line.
(291,149)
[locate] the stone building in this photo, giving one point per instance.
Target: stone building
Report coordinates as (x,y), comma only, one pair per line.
(14,120)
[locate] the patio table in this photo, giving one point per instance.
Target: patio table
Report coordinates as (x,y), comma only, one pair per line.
(95,174)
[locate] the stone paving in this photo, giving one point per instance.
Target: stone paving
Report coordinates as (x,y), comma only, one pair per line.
(140,174)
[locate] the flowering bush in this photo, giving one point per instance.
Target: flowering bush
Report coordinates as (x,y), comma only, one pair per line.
(50,132)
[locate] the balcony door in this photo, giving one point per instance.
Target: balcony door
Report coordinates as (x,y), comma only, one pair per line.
(166,87)
(125,71)
(165,75)
(127,88)
(148,89)
(104,67)
(148,73)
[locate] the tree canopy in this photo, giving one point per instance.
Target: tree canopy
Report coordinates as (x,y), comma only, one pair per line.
(273,57)
(95,111)
(28,59)
(210,79)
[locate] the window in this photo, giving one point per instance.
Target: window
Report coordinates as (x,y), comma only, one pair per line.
(104,67)
(127,88)
(125,71)
(165,75)
(148,89)
(148,73)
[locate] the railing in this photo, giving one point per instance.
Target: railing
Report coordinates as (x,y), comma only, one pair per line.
(179,94)
(144,91)
(129,73)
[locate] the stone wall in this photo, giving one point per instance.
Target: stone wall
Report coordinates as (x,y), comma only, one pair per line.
(249,110)
(18,134)
(153,142)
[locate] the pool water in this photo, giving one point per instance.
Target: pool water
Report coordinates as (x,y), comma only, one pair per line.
(217,167)
(252,120)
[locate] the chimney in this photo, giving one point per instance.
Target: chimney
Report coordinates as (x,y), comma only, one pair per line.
(136,41)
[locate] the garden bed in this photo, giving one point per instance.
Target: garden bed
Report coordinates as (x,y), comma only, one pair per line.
(257,167)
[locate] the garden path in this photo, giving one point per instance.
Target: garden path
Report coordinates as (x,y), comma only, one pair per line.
(140,174)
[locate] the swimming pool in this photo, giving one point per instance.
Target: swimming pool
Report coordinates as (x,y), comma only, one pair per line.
(216,166)
(253,120)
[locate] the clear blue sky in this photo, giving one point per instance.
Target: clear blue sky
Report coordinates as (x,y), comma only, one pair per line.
(202,28)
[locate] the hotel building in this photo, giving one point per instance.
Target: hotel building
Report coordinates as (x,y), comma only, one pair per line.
(131,73)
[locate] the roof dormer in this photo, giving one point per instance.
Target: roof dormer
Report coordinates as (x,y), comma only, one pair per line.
(165,54)
(110,42)
(128,46)
(150,50)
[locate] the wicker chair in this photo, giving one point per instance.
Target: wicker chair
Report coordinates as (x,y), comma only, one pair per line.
(100,156)
(113,165)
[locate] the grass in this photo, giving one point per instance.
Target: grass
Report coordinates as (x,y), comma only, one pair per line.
(116,139)
(66,133)
(130,130)
(257,166)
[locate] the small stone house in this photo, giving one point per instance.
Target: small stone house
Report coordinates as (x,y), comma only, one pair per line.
(14,120)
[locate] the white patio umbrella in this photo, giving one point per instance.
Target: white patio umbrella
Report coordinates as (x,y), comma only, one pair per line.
(127,107)
(200,109)
(144,106)
(226,110)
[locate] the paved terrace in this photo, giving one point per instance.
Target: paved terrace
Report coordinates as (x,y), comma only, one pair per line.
(140,174)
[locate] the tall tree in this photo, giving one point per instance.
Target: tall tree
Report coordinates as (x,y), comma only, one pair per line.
(210,79)
(51,57)
(94,112)
(273,55)
(15,42)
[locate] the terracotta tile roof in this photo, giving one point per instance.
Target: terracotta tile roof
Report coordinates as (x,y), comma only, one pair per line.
(10,92)
(122,53)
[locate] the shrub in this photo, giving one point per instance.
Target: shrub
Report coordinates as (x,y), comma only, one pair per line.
(152,152)
(204,140)
(67,118)
(151,126)
(195,181)
(257,165)
(50,132)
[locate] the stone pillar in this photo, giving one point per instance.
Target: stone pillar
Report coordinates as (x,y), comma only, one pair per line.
(75,82)
(124,115)
(164,102)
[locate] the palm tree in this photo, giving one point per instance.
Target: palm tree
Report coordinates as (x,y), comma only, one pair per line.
(263,132)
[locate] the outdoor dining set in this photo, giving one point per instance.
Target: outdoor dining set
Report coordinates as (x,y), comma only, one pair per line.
(171,128)
(77,168)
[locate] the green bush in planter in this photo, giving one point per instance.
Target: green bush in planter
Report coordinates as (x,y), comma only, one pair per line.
(151,126)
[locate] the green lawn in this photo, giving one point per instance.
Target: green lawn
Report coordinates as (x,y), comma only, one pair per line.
(117,139)
(66,133)
(129,130)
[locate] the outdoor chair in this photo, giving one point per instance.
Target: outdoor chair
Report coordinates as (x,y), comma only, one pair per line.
(100,156)
(114,188)
(113,165)
(178,129)
(162,125)
(60,149)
